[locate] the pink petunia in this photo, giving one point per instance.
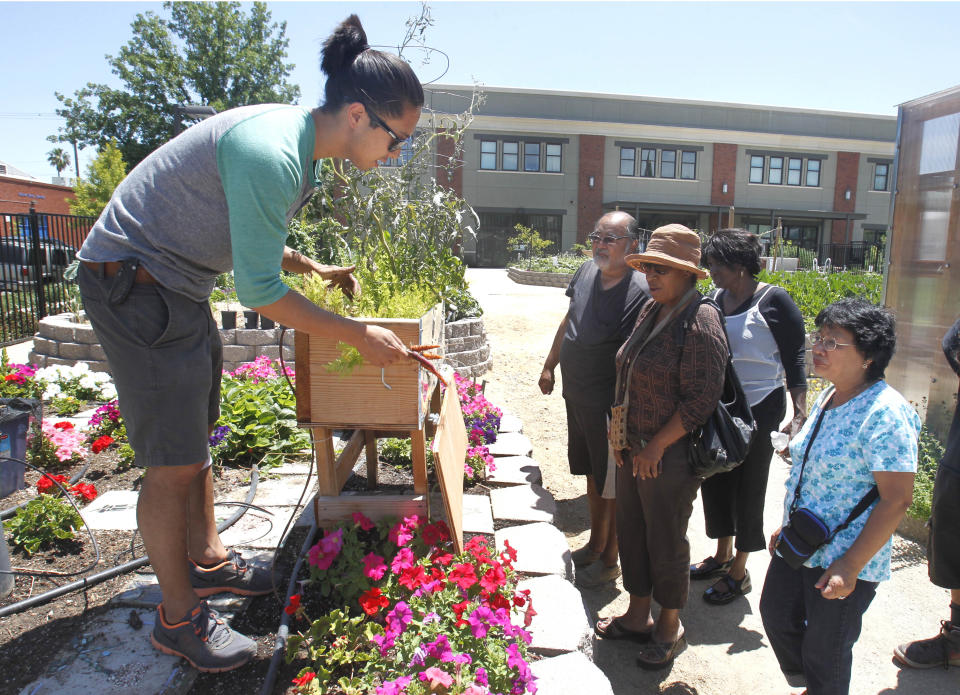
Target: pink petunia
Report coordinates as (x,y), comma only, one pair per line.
(437,677)
(374,566)
(403,560)
(362,521)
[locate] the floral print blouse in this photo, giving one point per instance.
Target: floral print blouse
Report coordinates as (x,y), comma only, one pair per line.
(876,430)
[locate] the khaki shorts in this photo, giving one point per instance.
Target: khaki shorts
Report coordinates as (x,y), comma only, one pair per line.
(166,359)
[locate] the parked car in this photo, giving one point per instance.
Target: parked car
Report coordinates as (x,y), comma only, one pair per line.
(18,261)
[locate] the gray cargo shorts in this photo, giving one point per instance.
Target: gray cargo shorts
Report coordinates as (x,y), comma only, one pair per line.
(166,359)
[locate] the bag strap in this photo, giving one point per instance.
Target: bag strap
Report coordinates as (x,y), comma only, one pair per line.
(622,393)
(872,494)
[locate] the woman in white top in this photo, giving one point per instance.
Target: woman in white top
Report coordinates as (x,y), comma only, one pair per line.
(766,334)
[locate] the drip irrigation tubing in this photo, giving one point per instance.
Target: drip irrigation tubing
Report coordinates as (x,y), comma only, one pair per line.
(99,577)
(10,511)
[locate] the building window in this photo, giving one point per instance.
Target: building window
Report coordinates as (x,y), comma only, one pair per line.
(688,165)
(488,154)
(531,156)
(775,170)
(648,163)
(794,171)
(756,169)
(668,164)
(877,237)
(804,236)
(511,156)
(628,160)
(813,172)
(880,174)
(554,157)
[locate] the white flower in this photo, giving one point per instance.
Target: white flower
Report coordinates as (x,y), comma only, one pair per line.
(108,392)
(52,391)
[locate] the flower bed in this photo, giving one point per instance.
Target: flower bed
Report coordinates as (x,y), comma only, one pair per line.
(399,613)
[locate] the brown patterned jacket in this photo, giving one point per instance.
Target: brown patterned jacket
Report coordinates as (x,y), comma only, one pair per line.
(676,373)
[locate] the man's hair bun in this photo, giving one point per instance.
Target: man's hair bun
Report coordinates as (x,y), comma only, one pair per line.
(342,47)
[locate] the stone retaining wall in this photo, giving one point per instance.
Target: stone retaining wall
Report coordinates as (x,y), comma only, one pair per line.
(61,339)
(530,277)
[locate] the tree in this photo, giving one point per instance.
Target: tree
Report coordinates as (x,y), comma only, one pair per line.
(58,159)
(204,53)
(104,174)
(528,243)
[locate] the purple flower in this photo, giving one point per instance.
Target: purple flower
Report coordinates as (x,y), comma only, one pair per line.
(440,649)
(219,434)
(478,621)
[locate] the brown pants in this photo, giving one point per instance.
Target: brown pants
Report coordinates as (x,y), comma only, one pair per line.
(652,517)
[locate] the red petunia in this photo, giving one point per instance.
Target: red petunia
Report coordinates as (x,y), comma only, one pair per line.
(436,533)
(413,578)
(441,557)
(458,609)
(372,600)
(493,579)
(293,606)
(101,443)
(463,575)
(498,601)
(305,678)
(63,425)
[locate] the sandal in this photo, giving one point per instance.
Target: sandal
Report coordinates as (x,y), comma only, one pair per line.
(710,568)
(613,629)
(657,655)
(729,589)
(584,556)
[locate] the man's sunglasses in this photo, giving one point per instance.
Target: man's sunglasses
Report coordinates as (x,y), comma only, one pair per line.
(609,239)
(646,268)
(397,141)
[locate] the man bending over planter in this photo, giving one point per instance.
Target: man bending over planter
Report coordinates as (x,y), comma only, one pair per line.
(220,196)
(605,296)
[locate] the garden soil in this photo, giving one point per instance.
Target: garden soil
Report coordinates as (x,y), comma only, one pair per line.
(728,651)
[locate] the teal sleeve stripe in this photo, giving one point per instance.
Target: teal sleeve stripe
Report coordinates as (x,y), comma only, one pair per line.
(261,173)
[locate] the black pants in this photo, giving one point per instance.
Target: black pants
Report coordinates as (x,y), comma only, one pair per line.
(810,634)
(733,502)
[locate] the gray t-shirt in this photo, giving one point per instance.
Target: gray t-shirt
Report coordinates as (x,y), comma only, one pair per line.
(217,197)
(598,322)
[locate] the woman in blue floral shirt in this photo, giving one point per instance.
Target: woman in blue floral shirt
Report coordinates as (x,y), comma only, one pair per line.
(867,436)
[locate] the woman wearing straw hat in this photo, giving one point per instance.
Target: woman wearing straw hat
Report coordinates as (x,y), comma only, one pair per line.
(669,378)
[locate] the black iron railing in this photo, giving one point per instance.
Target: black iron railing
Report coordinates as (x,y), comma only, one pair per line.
(35,250)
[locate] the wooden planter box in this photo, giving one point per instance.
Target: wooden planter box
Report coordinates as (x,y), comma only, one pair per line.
(360,400)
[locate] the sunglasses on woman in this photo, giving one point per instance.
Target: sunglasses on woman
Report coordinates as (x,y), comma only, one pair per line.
(829,344)
(397,141)
(647,268)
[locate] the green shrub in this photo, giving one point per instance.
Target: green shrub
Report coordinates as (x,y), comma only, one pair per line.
(563,263)
(931,452)
(44,521)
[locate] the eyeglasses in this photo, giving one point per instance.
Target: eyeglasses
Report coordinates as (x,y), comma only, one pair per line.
(829,344)
(397,141)
(608,239)
(647,268)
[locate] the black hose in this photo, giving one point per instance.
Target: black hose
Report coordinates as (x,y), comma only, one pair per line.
(92,580)
(10,511)
(280,643)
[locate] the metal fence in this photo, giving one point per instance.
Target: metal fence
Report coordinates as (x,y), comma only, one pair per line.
(35,250)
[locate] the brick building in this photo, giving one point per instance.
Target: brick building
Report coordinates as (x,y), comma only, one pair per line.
(556,161)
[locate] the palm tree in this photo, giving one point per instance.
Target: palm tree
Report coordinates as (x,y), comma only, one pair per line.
(58,159)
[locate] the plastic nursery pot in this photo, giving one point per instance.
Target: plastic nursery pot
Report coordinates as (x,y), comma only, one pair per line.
(250,319)
(228,319)
(266,323)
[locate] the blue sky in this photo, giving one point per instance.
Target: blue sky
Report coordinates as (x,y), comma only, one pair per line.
(854,56)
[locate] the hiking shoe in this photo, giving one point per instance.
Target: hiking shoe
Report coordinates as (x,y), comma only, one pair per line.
(942,650)
(596,575)
(204,640)
(233,575)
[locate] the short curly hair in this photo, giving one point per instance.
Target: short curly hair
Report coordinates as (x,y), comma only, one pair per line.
(734,247)
(873,328)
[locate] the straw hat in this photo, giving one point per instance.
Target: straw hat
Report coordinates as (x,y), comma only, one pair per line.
(673,245)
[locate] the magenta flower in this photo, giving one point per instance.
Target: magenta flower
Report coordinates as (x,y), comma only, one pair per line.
(403,560)
(394,687)
(440,649)
(362,521)
(478,621)
(400,534)
(373,566)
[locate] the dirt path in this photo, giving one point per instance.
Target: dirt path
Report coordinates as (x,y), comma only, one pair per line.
(728,652)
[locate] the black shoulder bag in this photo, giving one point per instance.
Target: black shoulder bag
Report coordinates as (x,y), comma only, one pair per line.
(722,442)
(805,532)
